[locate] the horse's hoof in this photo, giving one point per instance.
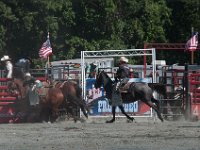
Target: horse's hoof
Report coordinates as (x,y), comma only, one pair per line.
(110,121)
(130,120)
(86,116)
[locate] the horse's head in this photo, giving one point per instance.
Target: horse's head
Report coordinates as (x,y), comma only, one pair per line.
(99,80)
(103,79)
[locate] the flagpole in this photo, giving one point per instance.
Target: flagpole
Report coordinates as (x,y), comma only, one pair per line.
(48,63)
(192,52)
(48,68)
(192,57)
(44,53)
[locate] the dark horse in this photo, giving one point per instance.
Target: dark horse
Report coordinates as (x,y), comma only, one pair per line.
(137,91)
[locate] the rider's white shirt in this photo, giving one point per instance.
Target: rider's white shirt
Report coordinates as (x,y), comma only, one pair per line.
(9,68)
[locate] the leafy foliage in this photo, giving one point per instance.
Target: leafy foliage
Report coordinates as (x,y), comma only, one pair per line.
(91,25)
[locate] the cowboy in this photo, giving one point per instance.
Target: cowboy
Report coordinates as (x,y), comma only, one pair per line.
(32,84)
(131,75)
(8,66)
(24,65)
(93,69)
(28,79)
(123,72)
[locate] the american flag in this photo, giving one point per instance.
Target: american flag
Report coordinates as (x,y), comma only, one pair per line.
(46,49)
(192,43)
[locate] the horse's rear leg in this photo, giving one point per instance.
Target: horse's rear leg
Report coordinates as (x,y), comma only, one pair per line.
(84,107)
(150,104)
(84,111)
(79,102)
(123,111)
(156,102)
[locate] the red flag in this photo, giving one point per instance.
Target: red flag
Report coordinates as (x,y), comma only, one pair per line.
(46,49)
(192,43)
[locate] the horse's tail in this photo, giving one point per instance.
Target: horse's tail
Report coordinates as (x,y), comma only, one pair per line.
(158,87)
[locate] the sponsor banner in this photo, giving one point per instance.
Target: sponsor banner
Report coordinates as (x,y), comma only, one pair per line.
(100,105)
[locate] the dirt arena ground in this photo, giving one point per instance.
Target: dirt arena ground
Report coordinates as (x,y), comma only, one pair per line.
(95,134)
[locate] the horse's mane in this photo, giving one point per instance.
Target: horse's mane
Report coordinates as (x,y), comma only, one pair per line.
(106,75)
(17,73)
(107,84)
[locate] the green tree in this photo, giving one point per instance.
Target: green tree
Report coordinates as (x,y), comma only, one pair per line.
(26,23)
(7,18)
(185,15)
(80,25)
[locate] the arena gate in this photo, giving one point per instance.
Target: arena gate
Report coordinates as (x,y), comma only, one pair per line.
(192,82)
(182,98)
(190,98)
(102,108)
(66,71)
(7,102)
(172,104)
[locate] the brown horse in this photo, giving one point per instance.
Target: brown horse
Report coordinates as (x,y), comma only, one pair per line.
(73,96)
(46,105)
(61,95)
(50,100)
(51,104)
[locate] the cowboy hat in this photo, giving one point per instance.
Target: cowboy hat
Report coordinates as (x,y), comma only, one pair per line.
(27,74)
(5,58)
(95,63)
(123,59)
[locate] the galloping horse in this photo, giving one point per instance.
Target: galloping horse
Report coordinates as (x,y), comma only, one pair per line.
(136,91)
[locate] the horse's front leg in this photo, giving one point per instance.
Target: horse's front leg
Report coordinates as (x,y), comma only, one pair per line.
(113,112)
(55,114)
